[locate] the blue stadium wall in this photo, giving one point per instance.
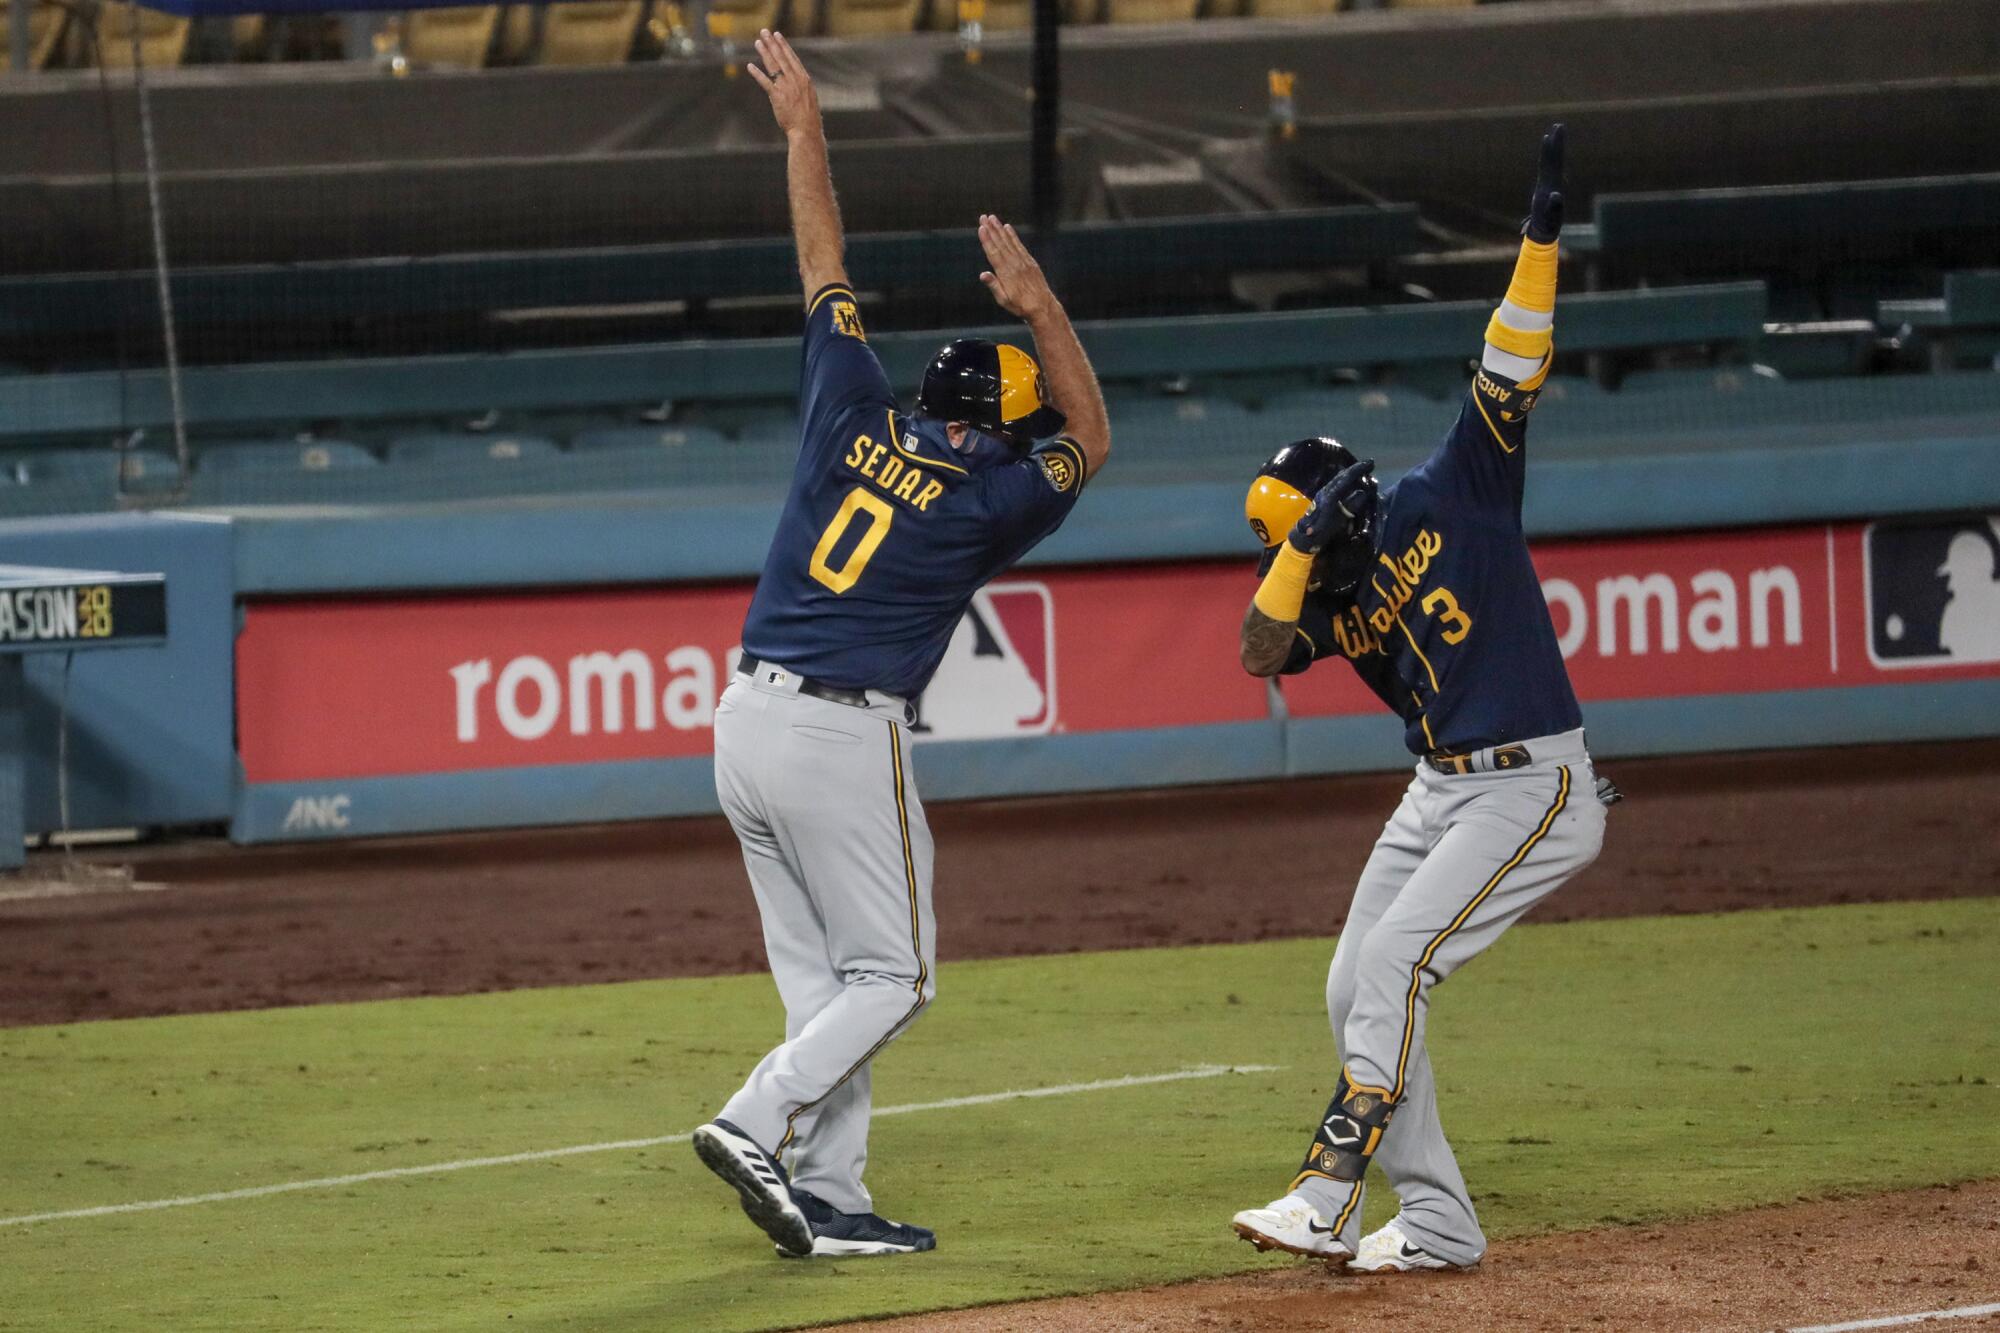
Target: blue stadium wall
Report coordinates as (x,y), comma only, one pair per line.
(154,731)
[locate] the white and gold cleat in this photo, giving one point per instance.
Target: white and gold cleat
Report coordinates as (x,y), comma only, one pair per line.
(1389,1250)
(1292,1225)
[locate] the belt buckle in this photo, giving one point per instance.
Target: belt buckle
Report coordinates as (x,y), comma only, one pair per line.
(1512,756)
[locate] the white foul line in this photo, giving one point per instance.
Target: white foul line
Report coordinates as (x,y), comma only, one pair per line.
(619,1145)
(1899,1320)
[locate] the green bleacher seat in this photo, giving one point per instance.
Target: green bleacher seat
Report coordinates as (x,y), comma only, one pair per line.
(1180,424)
(772,432)
(1956,327)
(1973,296)
(281,455)
(99,464)
(574,379)
(1567,389)
(1726,380)
(655,438)
(1828,219)
(443,448)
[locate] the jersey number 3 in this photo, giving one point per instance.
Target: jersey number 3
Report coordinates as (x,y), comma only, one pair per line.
(1440,603)
(880,516)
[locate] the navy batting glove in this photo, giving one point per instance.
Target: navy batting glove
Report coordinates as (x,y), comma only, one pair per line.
(1340,510)
(1545,209)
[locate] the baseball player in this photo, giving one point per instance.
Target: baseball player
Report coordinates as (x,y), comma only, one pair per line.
(1427,591)
(892,523)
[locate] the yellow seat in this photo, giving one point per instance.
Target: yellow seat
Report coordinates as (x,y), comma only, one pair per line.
(590,32)
(1289,9)
(516,44)
(461,35)
(163,39)
(1076,11)
(995,15)
(1152,11)
(870,18)
(739,20)
(45,32)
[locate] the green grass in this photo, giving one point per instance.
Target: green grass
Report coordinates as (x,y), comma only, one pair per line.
(1600,1072)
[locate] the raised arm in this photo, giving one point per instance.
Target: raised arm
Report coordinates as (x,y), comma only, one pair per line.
(808,177)
(1018,284)
(1520,337)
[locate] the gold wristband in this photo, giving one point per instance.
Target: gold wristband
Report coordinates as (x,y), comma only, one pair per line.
(1534,284)
(1282,595)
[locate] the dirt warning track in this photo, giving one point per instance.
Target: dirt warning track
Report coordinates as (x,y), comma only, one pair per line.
(244,928)
(1794,1267)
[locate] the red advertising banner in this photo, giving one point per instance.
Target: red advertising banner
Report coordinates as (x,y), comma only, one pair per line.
(386,686)
(1755,611)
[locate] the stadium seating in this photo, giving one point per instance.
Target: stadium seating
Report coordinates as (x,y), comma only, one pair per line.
(870,18)
(163,39)
(1119,256)
(47,24)
(992,15)
(769,432)
(589,32)
(309,455)
(441,387)
(1150,11)
(1957,325)
(460,35)
(739,20)
(1721,381)
(463,449)
(1818,224)
(691,438)
(1287,9)
(100,465)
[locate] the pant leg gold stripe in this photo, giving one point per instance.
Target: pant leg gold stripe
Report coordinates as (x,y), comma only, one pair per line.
(1340,1223)
(909,859)
(916,941)
(1430,951)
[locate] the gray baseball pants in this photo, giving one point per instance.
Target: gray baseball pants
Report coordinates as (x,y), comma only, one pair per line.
(1464,856)
(823,802)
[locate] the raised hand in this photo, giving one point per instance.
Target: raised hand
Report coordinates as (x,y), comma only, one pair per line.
(1545,208)
(1340,510)
(784,80)
(1015,279)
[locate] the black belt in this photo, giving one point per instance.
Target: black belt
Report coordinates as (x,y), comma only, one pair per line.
(1505,756)
(832,694)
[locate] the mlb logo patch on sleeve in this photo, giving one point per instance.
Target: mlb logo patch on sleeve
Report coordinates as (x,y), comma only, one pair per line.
(1934,592)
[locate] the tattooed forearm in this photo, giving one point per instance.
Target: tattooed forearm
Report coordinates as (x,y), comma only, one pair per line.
(1266,642)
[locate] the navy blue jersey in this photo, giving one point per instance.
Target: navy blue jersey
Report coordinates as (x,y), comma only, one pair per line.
(1451,630)
(888,531)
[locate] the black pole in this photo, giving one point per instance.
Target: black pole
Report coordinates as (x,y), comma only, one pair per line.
(1046,171)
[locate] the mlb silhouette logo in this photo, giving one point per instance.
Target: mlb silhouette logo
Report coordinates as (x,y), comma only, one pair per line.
(998,676)
(1934,592)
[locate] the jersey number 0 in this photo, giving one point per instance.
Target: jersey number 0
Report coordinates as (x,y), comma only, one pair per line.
(880,515)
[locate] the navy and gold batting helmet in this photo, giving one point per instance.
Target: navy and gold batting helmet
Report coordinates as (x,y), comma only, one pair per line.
(992,387)
(1283,490)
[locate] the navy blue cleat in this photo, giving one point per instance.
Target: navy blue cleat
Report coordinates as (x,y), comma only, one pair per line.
(760,1182)
(836,1234)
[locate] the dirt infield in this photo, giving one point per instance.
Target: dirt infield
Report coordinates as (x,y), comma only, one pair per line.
(248,928)
(1770,1268)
